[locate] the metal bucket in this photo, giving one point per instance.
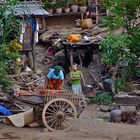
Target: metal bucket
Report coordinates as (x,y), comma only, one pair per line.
(89,92)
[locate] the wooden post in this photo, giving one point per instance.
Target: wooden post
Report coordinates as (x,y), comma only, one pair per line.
(80,59)
(67,60)
(34,56)
(30,57)
(34,60)
(82,16)
(107,12)
(71,57)
(97,12)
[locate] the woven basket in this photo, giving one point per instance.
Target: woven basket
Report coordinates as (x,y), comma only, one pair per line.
(86,23)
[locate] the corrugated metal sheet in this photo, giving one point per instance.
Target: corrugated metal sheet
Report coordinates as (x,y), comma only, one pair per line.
(29,8)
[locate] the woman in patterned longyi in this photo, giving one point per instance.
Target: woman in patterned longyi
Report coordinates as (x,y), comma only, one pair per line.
(55,78)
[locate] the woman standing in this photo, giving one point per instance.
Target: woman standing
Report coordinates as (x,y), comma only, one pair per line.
(76,78)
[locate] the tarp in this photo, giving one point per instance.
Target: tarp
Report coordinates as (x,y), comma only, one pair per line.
(5,111)
(22,119)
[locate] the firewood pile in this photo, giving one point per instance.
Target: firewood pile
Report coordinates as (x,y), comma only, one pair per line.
(26,81)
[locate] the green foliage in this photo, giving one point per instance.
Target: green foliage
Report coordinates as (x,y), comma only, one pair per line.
(65,3)
(73,1)
(58,5)
(114,49)
(8,22)
(11,30)
(48,5)
(82,2)
(137,72)
(4,80)
(135,41)
(103,99)
(123,14)
(114,22)
(120,84)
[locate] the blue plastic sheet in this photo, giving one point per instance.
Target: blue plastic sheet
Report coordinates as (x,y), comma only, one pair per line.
(32,22)
(5,111)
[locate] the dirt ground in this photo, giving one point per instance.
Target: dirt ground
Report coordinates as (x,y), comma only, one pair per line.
(88,127)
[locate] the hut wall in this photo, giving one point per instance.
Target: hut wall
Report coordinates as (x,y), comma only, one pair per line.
(54,21)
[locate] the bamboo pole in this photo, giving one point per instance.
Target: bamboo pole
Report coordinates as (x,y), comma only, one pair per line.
(97,12)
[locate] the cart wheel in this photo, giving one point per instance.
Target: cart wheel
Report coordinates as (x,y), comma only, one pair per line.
(59,114)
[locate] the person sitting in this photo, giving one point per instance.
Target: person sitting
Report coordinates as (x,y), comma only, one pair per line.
(55,78)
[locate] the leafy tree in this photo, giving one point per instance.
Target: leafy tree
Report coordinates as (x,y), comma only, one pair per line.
(9,22)
(11,29)
(125,46)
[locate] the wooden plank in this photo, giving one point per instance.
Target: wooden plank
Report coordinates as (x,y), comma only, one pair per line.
(126,99)
(99,83)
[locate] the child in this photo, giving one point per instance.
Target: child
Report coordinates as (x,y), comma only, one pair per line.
(76,78)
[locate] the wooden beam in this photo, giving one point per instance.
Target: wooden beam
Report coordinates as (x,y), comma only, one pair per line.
(97,12)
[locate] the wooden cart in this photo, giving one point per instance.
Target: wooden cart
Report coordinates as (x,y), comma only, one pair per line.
(58,110)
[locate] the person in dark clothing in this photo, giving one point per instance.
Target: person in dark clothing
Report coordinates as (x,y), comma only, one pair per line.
(91,8)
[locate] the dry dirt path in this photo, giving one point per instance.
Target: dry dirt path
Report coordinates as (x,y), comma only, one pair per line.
(88,127)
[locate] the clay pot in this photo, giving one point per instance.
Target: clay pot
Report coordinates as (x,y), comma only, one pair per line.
(116,116)
(107,83)
(58,10)
(67,10)
(83,9)
(50,11)
(74,8)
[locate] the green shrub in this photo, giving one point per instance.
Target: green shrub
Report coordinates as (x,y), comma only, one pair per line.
(103,99)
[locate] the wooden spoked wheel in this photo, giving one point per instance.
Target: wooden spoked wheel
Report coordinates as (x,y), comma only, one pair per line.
(59,114)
